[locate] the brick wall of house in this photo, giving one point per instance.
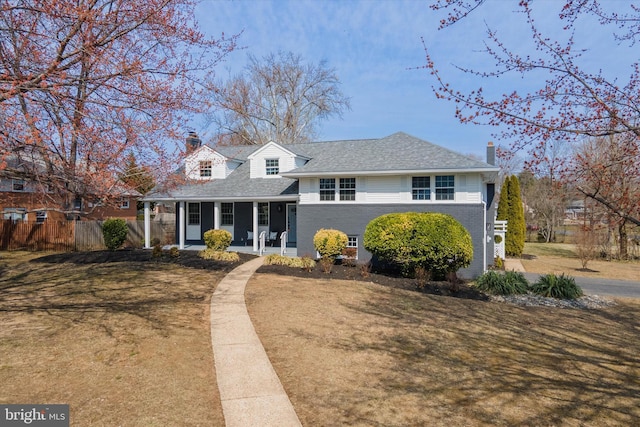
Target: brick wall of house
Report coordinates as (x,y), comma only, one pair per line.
(353,219)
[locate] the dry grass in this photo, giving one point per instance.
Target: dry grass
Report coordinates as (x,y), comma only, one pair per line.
(355,353)
(561,258)
(124,343)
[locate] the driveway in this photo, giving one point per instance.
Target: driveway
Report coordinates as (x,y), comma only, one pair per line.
(602,287)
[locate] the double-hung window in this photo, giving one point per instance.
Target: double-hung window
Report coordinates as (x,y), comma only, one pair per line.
(226,214)
(41,216)
(445,187)
(263,213)
(193,214)
(347,188)
(327,188)
(206,168)
(421,188)
(272,166)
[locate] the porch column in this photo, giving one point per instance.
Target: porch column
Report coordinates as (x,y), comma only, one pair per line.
(216,215)
(255,227)
(181,226)
(147,225)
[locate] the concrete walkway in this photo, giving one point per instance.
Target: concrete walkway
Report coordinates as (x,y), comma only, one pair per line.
(250,389)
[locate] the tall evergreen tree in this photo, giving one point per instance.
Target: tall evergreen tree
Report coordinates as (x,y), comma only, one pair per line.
(516,227)
(503,204)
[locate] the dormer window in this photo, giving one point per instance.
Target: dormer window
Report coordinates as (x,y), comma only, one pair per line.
(272,166)
(18,185)
(205,169)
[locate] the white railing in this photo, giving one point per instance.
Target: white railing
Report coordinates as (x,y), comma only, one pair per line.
(262,247)
(283,243)
(500,230)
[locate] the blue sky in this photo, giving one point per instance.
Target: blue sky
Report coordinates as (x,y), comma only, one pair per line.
(375,47)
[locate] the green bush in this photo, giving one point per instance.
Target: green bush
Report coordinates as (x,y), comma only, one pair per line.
(435,241)
(561,287)
(305,263)
(217,240)
(214,255)
(114,231)
(509,283)
(330,243)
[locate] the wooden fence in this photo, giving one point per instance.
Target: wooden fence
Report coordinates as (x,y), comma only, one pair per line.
(70,235)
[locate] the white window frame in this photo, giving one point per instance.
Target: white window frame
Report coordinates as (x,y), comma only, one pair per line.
(193,215)
(15,214)
(449,190)
(124,203)
(346,192)
(263,214)
(272,166)
(206,168)
(421,192)
(41,217)
(328,193)
(225,215)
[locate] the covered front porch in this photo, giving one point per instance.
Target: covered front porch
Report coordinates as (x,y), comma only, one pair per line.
(268,250)
(263,226)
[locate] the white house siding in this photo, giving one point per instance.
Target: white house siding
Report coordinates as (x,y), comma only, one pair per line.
(394,189)
(383,189)
(220,168)
(287,161)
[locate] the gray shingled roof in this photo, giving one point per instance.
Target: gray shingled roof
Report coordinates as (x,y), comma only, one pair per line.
(398,152)
(236,186)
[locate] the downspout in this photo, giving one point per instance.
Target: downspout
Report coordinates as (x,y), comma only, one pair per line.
(485,240)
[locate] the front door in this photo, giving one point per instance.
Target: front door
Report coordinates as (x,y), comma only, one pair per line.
(193,221)
(292,210)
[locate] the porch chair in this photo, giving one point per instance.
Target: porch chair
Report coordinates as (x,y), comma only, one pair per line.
(273,237)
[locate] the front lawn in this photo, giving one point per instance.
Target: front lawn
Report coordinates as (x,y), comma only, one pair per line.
(123,337)
(356,353)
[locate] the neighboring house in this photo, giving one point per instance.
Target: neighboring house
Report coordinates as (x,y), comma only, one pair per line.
(22,199)
(300,188)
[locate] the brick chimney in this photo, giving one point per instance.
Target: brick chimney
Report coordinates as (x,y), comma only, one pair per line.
(491,154)
(193,142)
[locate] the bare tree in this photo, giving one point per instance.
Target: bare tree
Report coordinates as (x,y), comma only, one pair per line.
(606,170)
(84,82)
(570,101)
(277,98)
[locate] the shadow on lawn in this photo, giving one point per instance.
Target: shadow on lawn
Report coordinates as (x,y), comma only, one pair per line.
(101,287)
(504,365)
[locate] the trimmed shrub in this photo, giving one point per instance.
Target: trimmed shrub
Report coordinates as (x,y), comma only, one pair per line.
(509,283)
(330,243)
(561,287)
(217,240)
(219,255)
(114,231)
(305,263)
(157,251)
(435,241)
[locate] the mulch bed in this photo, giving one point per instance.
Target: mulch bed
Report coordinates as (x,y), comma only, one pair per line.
(459,289)
(185,258)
